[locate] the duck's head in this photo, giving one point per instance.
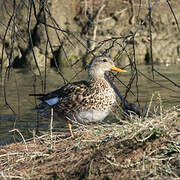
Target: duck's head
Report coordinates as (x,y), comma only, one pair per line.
(99,65)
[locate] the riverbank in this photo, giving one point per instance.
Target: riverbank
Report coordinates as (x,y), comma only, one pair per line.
(57,34)
(138,148)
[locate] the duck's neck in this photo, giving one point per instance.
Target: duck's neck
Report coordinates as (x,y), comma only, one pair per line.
(100,82)
(96,74)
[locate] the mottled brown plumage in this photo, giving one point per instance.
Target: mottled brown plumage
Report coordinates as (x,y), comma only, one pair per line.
(83,101)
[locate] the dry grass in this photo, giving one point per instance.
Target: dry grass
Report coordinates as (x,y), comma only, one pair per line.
(141,148)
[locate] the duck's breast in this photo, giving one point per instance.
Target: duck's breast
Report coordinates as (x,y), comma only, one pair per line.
(90,116)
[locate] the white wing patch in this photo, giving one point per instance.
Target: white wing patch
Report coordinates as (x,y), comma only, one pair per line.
(52,101)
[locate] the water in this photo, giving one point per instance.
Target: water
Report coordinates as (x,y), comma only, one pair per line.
(21,83)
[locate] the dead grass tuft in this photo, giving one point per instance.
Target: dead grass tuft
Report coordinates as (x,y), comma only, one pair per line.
(140,148)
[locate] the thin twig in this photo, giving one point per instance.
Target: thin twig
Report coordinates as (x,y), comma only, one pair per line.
(51,127)
(13,130)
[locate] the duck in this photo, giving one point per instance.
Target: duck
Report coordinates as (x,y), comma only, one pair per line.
(83,101)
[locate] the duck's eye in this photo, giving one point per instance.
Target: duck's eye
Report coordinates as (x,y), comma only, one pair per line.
(104,60)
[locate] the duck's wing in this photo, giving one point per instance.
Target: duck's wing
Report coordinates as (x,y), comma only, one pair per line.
(66,94)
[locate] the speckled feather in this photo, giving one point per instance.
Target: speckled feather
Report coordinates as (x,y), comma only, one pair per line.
(84,101)
(79,96)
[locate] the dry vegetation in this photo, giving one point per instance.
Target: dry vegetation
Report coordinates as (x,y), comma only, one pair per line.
(138,148)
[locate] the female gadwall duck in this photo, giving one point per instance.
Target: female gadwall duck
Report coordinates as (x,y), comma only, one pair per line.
(83,101)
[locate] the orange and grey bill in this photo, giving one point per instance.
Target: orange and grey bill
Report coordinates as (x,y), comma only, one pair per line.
(117,69)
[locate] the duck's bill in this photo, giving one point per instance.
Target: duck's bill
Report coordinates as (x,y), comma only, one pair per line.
(117,69)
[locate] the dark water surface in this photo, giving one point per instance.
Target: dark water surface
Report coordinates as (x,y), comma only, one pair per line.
(21,83)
